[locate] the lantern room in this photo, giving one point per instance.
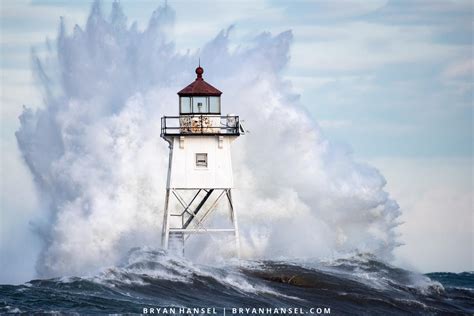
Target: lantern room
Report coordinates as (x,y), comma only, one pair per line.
(199,97)
(200,112)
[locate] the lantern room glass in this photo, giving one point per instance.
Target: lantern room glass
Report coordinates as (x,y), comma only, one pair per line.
(185,105)
(200,105)
(215,105)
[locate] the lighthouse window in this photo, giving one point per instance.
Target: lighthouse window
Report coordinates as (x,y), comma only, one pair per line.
(201,160)
(200,105)
(185,104)
(214,105)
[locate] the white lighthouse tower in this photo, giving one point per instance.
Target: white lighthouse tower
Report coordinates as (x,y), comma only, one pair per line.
(200,169)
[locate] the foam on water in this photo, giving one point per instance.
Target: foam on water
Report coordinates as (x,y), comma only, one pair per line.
(150,277)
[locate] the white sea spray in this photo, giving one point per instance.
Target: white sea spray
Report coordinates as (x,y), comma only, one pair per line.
(100,166)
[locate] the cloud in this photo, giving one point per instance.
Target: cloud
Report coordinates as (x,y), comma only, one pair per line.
(459,75)
(363,46)
(335,123)
(11,39)
(329,11)
(434,12)
(22,11)
(17,89)
(436,196)
(463,69)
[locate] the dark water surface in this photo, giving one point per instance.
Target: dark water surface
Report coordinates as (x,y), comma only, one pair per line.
(358,285)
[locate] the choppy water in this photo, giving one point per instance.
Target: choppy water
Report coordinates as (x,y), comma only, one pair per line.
(148,278)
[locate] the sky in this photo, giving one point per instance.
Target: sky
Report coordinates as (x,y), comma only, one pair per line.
(390,80)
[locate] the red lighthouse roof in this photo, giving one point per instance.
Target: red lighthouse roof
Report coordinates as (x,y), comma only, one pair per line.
(199,87)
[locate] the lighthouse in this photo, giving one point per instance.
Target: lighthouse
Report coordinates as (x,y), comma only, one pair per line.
(200,177)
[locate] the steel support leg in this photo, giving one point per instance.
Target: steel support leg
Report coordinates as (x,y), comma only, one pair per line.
(233,217)
(166,222)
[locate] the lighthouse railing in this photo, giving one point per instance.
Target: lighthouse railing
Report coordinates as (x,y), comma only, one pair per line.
(200,125)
